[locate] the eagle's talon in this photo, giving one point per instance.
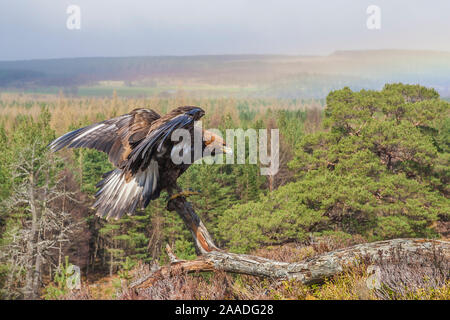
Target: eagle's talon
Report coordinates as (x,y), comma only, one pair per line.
(185,193)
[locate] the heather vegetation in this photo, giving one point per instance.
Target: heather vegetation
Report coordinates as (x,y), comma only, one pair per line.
(370,165)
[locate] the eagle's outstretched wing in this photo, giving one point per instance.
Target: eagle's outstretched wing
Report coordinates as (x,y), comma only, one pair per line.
(132,142)
(116,136)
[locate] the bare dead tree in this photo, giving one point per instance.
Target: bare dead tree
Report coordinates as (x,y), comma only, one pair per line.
(43,229)
(314,270)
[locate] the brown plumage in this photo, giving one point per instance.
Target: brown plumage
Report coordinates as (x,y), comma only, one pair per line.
(139,146)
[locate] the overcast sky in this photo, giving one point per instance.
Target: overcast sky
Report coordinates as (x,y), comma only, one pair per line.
(36,29)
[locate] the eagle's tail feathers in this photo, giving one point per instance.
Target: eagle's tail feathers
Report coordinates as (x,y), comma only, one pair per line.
(118,196)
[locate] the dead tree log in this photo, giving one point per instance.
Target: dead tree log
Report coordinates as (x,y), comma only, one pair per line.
(310,271)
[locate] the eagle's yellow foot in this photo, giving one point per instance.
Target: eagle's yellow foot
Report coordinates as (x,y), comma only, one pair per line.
(185,194)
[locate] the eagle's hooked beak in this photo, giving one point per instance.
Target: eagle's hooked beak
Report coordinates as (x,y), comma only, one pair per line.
(227,150)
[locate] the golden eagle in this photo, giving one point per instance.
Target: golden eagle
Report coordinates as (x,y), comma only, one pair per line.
(138,144)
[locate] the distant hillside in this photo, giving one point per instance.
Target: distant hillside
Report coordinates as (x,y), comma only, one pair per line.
(265,75)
